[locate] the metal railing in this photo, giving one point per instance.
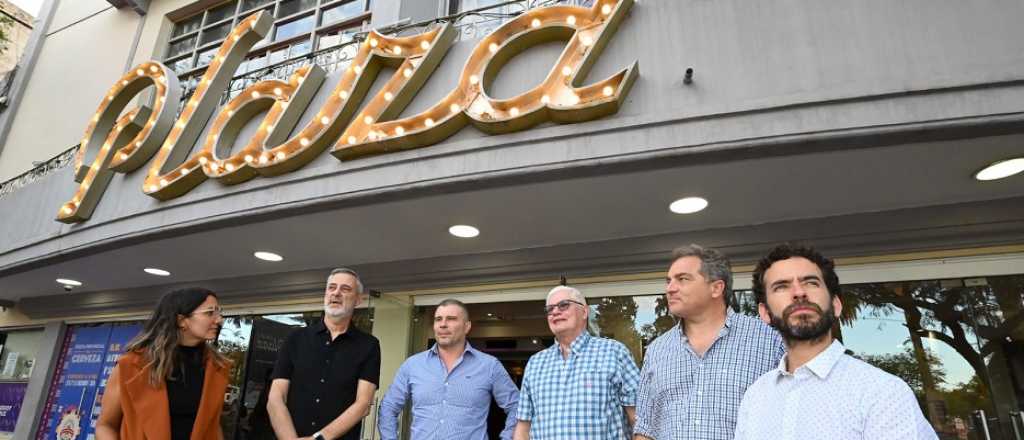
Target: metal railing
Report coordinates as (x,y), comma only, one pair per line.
(471,24)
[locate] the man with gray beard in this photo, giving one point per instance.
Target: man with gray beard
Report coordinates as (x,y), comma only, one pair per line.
(326,374)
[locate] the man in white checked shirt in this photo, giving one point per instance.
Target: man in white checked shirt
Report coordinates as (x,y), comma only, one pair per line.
(694,375)
(818,391)
(582,387)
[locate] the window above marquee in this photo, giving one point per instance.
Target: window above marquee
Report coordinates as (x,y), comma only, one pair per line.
(300,27)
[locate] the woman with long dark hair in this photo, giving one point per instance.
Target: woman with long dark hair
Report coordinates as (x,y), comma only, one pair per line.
(169,384)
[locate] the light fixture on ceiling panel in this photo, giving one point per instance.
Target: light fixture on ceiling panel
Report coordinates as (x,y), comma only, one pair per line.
(157,272)
(1001,169)
(688,205)
(267,256)
(464,231)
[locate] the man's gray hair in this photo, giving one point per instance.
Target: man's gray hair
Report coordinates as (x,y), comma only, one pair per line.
(574,293)
(454,302)
(714,265)
(345,270)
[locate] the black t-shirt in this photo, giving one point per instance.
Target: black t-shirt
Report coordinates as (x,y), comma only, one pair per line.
(185,390)
(324,375)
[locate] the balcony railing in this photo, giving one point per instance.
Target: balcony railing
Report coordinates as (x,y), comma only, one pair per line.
(472,24)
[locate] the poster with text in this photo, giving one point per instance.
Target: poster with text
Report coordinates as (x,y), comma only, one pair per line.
(120,335)
(76,382)
(11,395)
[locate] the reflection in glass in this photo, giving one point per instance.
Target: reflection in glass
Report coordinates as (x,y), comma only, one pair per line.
(300,49)
(186,26)
(181,46)
(336,38)
(293,28)
(221,12)
(289,7)
(341,12)
(215,33)
(206,56)
(250,4)
(181,65)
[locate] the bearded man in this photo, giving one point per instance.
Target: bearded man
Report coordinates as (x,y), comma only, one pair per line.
(818,391)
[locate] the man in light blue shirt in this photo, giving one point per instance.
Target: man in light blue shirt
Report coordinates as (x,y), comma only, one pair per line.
(450,386)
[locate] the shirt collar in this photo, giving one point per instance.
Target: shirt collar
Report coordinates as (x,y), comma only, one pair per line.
(320,327)
(469,350)
(821,365)
(731,318)
(577,344)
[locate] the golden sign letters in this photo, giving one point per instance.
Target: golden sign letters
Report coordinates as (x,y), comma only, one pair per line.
(123,144)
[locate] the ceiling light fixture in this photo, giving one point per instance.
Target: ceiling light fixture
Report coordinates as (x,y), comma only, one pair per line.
(464,231)
(1001,169)
(69,282)
(157,272)
(267,256)
(688,205)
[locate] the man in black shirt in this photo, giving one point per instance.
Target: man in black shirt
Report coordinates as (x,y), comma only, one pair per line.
(326,374)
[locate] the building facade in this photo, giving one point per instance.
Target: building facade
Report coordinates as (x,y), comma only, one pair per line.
(560,131)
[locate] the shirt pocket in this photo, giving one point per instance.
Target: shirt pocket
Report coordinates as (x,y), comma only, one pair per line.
(594,387)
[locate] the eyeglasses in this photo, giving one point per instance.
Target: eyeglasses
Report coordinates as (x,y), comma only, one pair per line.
(210,313)
(562,306)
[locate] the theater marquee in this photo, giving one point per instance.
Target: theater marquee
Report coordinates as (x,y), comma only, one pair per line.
(124,144)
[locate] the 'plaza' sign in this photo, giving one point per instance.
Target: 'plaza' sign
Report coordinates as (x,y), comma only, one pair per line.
(125,143)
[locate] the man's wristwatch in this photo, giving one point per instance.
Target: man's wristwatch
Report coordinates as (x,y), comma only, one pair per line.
(319,436)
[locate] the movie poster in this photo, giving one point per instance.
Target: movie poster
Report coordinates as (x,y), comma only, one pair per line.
(11,395)
(85,363)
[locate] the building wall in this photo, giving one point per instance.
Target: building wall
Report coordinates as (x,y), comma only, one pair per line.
(85,49)
(762,71)
(17,34)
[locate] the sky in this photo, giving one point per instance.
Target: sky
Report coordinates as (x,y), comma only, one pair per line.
(30,6)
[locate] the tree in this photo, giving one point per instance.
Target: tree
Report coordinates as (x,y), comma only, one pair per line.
(905,366)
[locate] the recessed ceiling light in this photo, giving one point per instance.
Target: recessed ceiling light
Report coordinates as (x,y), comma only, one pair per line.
(69,282)
(157,272)
(1001,169)
(464,231)
(688,205)
(267,256)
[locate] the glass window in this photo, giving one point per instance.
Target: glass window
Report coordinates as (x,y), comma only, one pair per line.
(252,343)
(251,4)
(221,12)
(216,33)
(342,11)
(300,49)
(206,56)
(257,62)
(278,55)
(181,46)
(181,65)
(186,26)
(293,28)
(337,37)
(290,7)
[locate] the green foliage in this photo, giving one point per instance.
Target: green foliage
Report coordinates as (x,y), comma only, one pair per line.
(5,32)
(905,366)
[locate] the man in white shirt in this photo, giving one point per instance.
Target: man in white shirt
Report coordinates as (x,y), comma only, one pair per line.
(818,391)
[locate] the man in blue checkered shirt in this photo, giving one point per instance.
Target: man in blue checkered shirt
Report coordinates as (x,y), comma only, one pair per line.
(695,374)
(582,387)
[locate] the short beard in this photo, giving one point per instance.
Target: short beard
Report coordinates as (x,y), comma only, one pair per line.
(340,313)
(805,330)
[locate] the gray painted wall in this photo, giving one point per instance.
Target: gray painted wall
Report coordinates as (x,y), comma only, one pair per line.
(798,69)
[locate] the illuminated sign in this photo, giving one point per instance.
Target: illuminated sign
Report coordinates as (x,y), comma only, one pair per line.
(123,144)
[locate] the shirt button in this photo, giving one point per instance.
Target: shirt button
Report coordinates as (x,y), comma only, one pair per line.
(444,402)
(700,393)
(327,343)
(317,400)
(321,381)
(446,384)
(696,422)
(312,423)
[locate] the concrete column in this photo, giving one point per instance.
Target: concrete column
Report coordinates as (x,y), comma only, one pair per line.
(392,325)
(39,384)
